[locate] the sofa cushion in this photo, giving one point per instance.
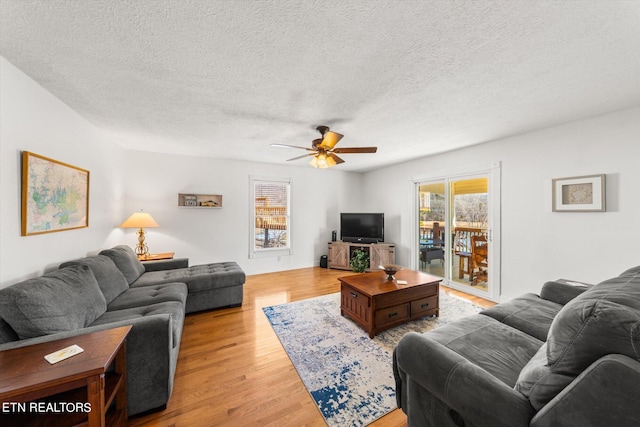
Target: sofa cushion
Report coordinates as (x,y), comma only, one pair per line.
(528,313)
(147,295)
(199,277)
(63,300)
(126,260)
(603,320)
(538,383)
(7,334)
(535,369)
(110,279)
(174,309)
(495,347)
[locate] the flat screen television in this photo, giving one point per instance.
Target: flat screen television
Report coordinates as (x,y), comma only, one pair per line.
(362,227)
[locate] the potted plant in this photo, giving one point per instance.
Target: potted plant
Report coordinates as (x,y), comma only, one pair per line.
(359,260)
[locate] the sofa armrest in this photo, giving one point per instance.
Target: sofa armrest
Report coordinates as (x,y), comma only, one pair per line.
(166,264)
(150,363)
(141,323)
(59,336)
(562,291)
(477,396)
(606,393)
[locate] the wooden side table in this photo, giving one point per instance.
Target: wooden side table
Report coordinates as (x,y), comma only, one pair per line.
(73,391)
(156,257)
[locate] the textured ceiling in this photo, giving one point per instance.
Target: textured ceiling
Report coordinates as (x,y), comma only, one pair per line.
(227,78)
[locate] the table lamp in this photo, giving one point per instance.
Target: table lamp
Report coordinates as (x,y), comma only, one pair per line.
(140,220)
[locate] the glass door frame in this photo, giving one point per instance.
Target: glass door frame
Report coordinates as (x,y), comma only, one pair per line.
(493,175)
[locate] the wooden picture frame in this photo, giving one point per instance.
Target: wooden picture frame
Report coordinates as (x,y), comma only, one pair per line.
(55,195)
(579,194)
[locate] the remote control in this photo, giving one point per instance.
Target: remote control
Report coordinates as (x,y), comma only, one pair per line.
(65,353)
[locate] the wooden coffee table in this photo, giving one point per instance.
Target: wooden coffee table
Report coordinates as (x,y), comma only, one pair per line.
(376,304)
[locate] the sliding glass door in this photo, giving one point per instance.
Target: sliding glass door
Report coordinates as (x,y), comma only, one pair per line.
(456,235)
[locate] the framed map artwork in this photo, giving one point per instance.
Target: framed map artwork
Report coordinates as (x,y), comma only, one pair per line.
(55,195)
(579,194)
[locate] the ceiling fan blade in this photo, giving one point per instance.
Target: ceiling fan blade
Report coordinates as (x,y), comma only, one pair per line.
(355,150)
(300,157)
(292,146)
(330,139)
(337,159)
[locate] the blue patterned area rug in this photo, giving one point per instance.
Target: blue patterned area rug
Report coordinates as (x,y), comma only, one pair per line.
(348,374)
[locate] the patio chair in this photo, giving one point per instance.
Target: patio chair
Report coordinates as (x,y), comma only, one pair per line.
(462,248)
(433,245)
(479,260)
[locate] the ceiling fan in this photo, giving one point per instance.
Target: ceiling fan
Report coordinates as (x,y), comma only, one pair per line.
(323,149)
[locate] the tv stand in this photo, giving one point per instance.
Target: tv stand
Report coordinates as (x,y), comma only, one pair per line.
(379,253)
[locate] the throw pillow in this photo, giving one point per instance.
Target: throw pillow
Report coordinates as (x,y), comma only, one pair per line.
(590,329)
(110,279)
(63,300)
(603,320)
(126,260)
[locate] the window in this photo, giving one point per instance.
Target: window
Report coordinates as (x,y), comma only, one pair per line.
(270,216)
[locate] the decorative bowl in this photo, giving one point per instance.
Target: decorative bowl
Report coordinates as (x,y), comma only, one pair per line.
(390,269)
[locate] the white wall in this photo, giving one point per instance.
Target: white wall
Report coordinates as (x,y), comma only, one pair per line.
(537,244)
(214,235)
(32,119)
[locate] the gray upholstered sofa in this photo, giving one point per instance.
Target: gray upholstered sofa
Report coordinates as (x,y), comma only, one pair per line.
(114,289)
(569,357)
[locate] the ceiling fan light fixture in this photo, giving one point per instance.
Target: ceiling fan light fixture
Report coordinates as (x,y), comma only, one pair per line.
(322,161)
(330,162)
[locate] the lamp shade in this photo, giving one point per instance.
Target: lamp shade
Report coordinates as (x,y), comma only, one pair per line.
(139,220)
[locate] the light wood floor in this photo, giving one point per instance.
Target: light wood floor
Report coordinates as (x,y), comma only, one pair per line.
(232,370)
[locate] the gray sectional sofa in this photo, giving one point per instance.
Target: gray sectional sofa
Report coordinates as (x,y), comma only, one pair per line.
(114,289)
(568,357)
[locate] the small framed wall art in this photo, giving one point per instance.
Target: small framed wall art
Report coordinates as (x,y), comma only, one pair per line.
(579,194)
(55,195)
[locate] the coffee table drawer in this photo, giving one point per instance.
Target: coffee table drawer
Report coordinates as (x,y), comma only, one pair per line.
(355,297)
(409,294)
(423,305)
(391,314)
